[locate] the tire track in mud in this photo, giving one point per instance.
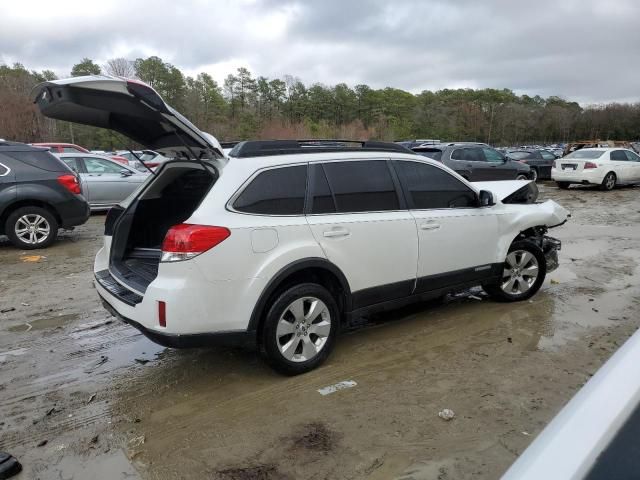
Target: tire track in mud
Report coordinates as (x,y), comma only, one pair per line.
(55,398)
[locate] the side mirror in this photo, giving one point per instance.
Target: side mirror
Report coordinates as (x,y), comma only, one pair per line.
(486,198)
(125,173)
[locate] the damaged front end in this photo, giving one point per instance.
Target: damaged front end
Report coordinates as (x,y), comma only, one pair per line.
(550,246)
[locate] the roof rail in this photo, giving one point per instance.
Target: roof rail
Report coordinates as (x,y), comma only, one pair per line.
(262,148)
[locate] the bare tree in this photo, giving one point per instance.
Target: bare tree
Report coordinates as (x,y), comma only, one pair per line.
(120,67)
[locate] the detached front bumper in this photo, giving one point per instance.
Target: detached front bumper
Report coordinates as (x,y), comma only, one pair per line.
(551,246)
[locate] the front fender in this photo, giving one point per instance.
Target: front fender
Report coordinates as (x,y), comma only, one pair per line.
(517,218)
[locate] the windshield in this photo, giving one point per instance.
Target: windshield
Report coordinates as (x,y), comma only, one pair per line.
(585,153)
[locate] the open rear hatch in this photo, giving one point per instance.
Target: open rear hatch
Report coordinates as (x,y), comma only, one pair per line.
(135,110)
(126,106)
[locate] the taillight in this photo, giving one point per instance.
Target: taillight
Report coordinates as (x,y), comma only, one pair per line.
(70,182)
(590,165)
(186,240)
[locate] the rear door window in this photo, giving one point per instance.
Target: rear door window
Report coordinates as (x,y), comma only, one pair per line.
(470,154)
(98,166)
(428,187)
(362,186)
(322,200)
(278,191)
(548,155)
(618,155)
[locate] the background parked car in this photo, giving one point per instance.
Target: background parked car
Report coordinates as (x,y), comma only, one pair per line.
(476,161)
(57,148)
(540,162)
(104,182)
(606,167)
(38,195)
(62,147)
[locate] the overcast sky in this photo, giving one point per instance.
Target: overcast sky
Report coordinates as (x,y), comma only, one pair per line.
(583,50)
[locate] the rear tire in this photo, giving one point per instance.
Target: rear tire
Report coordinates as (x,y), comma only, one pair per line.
(522,176)
(534,174)
(300,328)
(608,182)
(563,185)
(29,228)
(523,272)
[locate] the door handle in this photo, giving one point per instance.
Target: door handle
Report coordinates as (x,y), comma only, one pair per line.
(430,226)
(336,232)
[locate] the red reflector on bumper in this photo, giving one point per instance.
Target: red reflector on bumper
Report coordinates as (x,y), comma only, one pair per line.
(162,314)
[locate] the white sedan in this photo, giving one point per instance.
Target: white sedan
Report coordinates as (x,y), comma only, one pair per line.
(606,167)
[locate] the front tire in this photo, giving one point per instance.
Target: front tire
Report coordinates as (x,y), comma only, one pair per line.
(523,272)
(300,329)
(534,174)
(608,182)
(29,228)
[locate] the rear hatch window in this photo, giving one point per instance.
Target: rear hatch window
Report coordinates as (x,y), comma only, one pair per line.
(39,159)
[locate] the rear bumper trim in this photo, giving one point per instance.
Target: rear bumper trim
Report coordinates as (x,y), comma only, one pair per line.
(111,285)
(234,338)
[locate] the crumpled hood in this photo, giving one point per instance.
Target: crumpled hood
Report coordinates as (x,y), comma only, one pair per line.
(501,189)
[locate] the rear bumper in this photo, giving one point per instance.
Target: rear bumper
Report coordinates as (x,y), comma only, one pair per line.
(240,338)
(590,176)
(74,212)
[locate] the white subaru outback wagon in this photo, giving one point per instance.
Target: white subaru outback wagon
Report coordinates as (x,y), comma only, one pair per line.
(281,242)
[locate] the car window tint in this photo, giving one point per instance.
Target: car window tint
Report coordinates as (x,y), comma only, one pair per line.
(492,155)
(431,187)
(458,154)
(548,156)
(70,150)
(322,198)
(41,159)
(279,191)
(632,157)
(519,155)
(362,186)
(100,166)
(618,155)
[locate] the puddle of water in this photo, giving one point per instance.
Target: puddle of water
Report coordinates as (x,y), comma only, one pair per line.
(111,466)
(44,323)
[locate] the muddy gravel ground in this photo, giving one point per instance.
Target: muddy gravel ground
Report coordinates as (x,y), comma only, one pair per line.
(84,396)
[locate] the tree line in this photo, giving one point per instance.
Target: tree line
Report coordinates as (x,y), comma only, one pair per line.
(246,106)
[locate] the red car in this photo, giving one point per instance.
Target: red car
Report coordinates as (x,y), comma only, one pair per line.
(62,147)
(72,148)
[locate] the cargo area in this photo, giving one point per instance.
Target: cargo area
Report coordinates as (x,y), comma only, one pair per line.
(168,200)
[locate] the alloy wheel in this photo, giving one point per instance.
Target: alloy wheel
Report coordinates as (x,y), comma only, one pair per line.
(520,272)
(303,329)
(610,181)
(32,229)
